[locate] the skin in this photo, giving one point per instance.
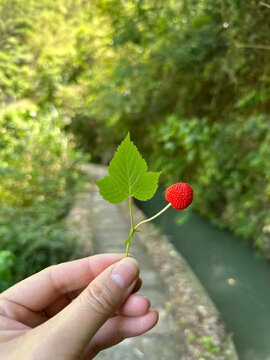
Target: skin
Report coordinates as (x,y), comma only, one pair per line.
(74,310)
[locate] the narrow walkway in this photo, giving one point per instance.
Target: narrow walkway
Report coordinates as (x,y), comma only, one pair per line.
(110,227)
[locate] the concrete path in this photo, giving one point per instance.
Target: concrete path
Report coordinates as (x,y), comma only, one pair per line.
(110,227)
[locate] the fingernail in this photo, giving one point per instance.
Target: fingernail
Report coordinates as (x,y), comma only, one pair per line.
(125,272)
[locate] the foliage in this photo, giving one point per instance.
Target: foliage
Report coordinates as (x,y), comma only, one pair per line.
(37,159)
(128,176)
(37,173)
(188,79)
(7,262)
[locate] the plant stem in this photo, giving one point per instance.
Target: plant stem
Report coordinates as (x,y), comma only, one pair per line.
(153,217)
(127,249)
(130,212)
(134,228)
(131,223)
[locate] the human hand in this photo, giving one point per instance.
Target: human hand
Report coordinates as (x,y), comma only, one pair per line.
(73,310)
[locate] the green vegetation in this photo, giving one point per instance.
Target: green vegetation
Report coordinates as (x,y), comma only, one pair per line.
(37,158)
(189,80)
(207,342)
(128,176)
(37,173)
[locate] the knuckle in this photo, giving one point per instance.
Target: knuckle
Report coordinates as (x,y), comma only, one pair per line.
(101,298)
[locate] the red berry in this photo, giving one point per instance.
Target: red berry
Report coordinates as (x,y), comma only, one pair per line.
(180,195)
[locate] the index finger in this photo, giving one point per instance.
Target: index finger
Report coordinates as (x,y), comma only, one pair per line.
(41,289)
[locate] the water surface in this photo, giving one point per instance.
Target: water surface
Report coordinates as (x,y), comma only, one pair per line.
(235,277)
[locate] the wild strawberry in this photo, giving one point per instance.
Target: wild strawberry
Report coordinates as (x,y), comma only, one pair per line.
(180,195)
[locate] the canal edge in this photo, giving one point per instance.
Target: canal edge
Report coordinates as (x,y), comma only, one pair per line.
(186,290)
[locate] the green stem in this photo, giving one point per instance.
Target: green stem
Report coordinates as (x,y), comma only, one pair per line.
(153,217)
(134,228)
(131,223)
(127,248)
(130,212)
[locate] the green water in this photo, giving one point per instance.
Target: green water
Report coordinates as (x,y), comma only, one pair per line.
(235,277)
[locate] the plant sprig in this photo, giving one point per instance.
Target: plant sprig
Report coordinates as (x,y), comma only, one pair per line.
(129,177)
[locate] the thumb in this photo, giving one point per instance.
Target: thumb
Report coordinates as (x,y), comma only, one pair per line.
(75,325)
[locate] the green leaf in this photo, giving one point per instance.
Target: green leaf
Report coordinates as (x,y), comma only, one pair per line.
(128,176)
(110,191)
(147,186)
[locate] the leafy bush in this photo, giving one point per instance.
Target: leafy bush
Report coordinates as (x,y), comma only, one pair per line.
(228,166)
(37,165)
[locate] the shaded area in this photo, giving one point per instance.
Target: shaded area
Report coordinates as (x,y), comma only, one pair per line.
(234,276)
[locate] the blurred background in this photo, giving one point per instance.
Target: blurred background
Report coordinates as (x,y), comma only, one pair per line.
(190,80)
